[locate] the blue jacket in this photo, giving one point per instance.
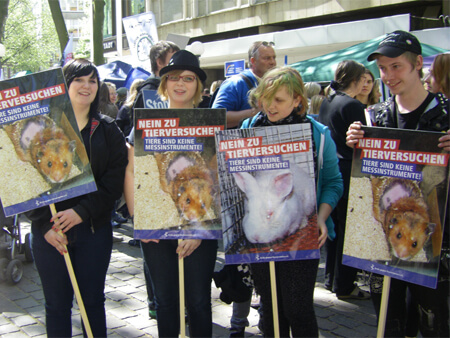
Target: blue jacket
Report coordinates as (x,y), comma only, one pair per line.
(233,93)
(329,182)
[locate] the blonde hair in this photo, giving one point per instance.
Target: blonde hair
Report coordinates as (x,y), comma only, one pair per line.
(312,89)
(273,80)
(133,92)
(316,102)
(373,98)
(440,70)
(162,89)
(412,59)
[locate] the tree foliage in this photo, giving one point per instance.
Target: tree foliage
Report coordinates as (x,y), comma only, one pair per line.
(30,37)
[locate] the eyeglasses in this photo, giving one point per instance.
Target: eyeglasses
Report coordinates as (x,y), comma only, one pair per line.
(185,78)
(262,43)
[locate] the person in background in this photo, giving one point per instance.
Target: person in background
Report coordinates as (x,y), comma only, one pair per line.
(314,105)
(370,93)
(112,91)
(122,94)
(281,95)
(214,90)
(183,74)
(337,112)
(233,93)
(85,221)
(400,62)
(160,54)
(312,89)
(206,97)
(106,106)
(123,119)
(440,74)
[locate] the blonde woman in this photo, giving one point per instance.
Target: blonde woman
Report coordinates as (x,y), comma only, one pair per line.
(181,86)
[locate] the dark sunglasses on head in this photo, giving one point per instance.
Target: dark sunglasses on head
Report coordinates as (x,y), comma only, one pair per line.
(262,43)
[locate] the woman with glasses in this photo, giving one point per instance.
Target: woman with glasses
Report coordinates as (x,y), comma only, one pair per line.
(181,86)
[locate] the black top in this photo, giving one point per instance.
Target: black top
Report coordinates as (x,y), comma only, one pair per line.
(337,113)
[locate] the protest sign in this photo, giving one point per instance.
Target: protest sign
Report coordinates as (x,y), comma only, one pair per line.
(397,201)
(42,156)
(176,185)
(268,194)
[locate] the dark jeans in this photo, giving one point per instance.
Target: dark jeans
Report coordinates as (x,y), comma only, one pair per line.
(90,254)
(339,276)
(295,290)
(430,305)
(162,262)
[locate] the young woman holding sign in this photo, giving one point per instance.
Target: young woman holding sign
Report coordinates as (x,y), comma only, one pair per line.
(85,221)
(281,97)
(181,86)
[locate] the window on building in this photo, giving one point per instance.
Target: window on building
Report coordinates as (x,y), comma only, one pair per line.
(171,10)
(219,5)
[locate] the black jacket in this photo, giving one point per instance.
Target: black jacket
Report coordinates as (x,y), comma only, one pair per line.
(108,160)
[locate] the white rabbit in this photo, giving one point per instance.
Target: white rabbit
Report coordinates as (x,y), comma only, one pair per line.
(278,202)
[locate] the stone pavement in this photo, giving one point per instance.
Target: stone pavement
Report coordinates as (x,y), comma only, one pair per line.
(22,311)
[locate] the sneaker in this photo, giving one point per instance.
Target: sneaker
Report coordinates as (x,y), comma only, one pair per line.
(152,313)
(237,333)
(116,225)
(134,242)
(119,219)
(357,293)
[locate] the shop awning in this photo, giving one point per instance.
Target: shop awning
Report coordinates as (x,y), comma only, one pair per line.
(322,68)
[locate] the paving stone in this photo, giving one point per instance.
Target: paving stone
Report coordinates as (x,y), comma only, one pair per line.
(139,322)
(346,321)
(4,321)
(128,289)
(123,276)
(8,329)
(114,282)
(27,303)
(132,270)
(133,304)
(34,330)
(122,312)
(129,331)
(326,324)
(116,295)
(23,320)
(15,335)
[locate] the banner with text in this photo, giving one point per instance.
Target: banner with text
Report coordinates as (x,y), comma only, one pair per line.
(397,204)
(267,192)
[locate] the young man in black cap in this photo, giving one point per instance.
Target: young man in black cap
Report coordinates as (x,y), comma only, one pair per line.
(400,62)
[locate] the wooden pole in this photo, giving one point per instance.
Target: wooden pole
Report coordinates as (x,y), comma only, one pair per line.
(384,306)
(273,285)
(74,284)
(181,288)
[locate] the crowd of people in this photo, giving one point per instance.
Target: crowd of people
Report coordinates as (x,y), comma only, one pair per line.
(262,95)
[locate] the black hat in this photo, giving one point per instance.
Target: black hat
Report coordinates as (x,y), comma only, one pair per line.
(397,43)
(184,60)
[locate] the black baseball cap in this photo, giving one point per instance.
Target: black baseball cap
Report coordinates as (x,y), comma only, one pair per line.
(397,43)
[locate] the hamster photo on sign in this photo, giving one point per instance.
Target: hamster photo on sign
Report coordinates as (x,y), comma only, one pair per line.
(176,183)
(267,193)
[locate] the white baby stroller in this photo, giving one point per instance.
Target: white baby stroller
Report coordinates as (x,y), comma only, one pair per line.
(11,244)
